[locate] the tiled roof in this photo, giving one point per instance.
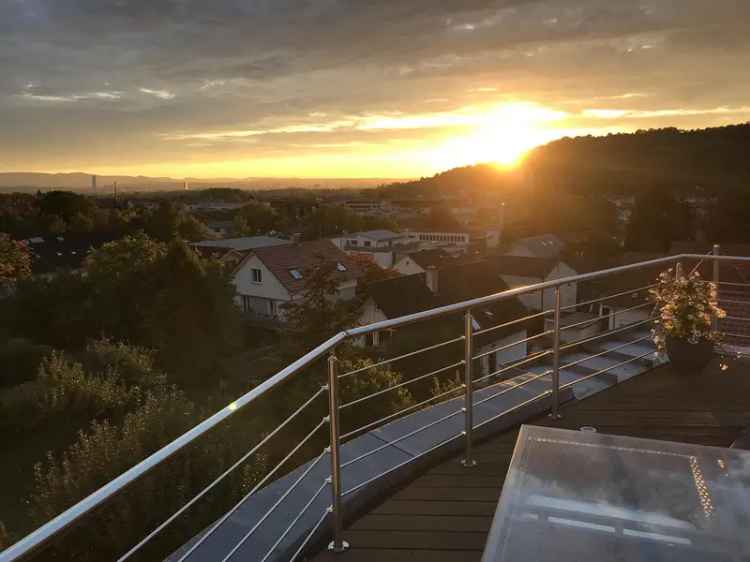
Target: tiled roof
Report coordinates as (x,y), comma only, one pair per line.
(400,296)
(467,281)
(430,258)
(281,260)
(543,246)
(523,266)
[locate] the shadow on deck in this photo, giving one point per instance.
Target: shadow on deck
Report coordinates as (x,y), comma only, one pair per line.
(445,513)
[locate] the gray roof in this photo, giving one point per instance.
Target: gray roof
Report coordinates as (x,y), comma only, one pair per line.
(243,244)
(377,234)
(543,246)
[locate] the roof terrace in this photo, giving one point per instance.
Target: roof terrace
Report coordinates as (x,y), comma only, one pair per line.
(416,477)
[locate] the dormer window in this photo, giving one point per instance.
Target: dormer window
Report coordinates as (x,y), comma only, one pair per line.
(257,275)
(296,274)
(340,266)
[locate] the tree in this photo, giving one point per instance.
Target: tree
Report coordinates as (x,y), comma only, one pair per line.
(192,319)
(15,259)
(658,219)
(256,218)
(317,313)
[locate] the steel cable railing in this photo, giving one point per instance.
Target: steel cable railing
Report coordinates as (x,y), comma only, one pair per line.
(51,529)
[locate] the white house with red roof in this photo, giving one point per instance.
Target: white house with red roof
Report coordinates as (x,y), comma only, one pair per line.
(268,278)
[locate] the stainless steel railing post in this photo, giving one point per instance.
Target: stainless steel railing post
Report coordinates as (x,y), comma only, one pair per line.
(716,252)
(468,460)
(338,544)
(555,413)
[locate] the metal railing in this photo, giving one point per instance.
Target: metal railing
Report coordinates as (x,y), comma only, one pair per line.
(462,393)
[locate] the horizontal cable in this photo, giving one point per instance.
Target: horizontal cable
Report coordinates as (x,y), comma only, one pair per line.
(395,415)
(291,525)
(276,504)
(221,477)
(514,408)
(730,301)
(516,321)
(605,352)
(402,384)
(507,368)
(265,479)
(508,346)
(405,436)
(518,385)
(736,318)
(304,542)
(605,317)
(399,357)
(728,284)
(730,335)
(602,371)
(401,464)
(606,334)
(609,297)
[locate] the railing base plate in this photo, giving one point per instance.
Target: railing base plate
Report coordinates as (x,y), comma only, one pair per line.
(343,547)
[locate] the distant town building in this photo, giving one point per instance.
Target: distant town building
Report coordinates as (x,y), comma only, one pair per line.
(543,246)
(243,244)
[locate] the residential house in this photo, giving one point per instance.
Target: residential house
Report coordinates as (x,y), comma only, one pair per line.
(377,246)
(392,298)
(465,281)
(423,262)
(518,271)
(62,253)
(272,276)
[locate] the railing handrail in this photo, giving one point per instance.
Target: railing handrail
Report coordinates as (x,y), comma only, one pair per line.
(44,533)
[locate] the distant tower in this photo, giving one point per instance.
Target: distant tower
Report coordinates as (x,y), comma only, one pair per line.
(114,190)
(93,184)
(185,185)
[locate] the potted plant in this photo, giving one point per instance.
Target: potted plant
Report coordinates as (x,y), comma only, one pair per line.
(687,307)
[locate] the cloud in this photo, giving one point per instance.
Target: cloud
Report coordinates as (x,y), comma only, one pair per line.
(161,94)
(661,113)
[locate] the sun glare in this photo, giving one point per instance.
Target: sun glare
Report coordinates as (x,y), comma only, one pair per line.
(503,136)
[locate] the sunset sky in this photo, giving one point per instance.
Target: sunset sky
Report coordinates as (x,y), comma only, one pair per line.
(358,88)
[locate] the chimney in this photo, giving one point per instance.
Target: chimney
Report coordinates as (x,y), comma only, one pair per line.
(431,278)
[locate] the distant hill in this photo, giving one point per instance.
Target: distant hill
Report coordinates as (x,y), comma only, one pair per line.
(714,159)
(79,181)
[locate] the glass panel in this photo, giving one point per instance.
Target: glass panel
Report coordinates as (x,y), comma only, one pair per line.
(573,496)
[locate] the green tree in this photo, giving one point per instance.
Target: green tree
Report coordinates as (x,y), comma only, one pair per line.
(256,218)
(318,313)
(658,219)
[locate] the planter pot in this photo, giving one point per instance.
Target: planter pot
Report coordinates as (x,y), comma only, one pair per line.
(689,358)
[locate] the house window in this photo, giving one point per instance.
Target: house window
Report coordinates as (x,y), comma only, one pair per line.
(272,307)
(367,243)
(605,310)
(246,303)
(296,274)
(257,275)
(340,266)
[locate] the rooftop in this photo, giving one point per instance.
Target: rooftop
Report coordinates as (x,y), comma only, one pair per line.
(378,235)
(444,514)
(243,244)
(524,266)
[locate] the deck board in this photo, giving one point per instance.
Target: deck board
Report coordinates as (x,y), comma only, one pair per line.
(444,514)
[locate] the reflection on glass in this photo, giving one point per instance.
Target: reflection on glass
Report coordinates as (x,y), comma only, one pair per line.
(577,496)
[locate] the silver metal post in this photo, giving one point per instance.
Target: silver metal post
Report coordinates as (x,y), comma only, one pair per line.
(678,271)
(717,251)
(468,460)
(555,414)
(338,544)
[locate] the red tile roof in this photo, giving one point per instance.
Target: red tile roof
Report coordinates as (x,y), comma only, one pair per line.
(280,260)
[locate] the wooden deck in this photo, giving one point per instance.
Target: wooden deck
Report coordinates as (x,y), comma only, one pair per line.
(444,514)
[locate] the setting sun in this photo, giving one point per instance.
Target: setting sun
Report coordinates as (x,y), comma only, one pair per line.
(502,135)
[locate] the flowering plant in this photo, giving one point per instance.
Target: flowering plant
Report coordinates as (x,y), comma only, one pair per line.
(687,307)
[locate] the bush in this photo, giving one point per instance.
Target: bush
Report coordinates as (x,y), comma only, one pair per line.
(20,360)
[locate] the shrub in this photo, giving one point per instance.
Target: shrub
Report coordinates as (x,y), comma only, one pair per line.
(20,360)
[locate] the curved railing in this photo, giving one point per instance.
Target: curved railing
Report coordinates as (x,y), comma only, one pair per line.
(548,344)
